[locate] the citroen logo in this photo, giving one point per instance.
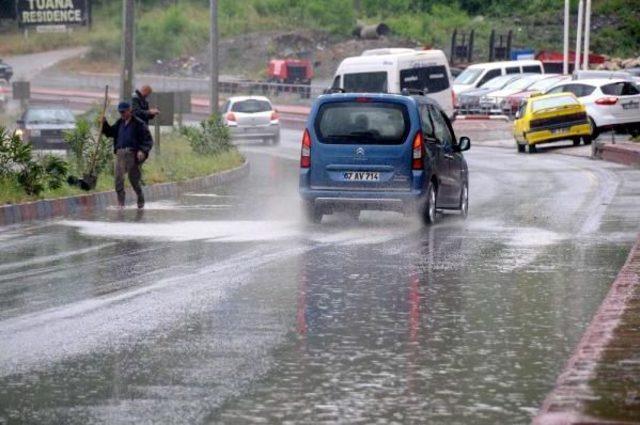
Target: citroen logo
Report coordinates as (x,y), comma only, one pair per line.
(360,152)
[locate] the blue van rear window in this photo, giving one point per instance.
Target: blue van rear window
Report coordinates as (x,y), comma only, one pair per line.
(362,123)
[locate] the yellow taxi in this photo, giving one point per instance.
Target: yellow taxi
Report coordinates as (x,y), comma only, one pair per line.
(550,118)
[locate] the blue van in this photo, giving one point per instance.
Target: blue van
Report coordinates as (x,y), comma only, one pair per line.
(381,152)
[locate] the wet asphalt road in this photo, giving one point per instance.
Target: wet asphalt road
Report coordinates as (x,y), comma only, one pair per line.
(225,307)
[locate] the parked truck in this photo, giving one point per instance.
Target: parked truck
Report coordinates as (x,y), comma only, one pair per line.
(290,71)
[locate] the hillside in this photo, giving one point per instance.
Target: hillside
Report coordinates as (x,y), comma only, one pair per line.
(173,31)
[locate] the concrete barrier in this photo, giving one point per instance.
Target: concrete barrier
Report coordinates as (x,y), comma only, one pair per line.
(626,153)
(51,208)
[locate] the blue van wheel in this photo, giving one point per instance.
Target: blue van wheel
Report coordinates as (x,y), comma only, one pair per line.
(429,214)
(464,201)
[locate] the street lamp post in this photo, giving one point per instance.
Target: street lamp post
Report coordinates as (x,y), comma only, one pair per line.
(579,36)
(565,63)
(213,58)
(587,31)
(127,50)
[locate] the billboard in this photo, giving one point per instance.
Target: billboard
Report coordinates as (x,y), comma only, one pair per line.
(52,12)
(7,9)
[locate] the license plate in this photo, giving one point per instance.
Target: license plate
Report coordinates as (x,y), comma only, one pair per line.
(559,130)
(362,176)
(251,129)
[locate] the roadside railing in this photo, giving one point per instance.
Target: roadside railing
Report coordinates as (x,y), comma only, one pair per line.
(298,93)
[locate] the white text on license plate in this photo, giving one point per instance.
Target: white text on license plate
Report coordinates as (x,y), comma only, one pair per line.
(362,176)
(559,130)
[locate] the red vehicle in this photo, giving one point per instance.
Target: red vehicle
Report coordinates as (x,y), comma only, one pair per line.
(552,61)
(290,71)
(512,102)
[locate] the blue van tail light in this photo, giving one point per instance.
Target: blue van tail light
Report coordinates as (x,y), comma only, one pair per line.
(305,154)
(418,152)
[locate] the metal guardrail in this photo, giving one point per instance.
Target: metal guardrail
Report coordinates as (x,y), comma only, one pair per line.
(300,93)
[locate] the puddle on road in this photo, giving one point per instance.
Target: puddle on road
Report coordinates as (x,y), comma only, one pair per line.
(207,195)
(519,237)
(183,231)
(244,231)
(174,206)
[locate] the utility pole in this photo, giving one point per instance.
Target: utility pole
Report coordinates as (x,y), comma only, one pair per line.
(213,58)
(579,35)
(127,50)
(565,62)
(587,31)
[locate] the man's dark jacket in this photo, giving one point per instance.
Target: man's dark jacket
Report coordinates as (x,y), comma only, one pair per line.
(140,107)
(141,136)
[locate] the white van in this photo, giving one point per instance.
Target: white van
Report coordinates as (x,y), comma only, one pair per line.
(477,74)
(396,69)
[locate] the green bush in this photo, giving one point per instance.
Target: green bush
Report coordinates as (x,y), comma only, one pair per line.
(82,143)
(33,175)
(210,138)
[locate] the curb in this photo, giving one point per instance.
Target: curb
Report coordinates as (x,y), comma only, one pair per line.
(563,405)
(621,153)
(51,208)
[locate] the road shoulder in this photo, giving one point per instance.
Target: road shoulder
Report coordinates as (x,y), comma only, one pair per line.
(600,383)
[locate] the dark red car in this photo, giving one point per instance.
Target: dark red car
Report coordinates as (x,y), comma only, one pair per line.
(512,102)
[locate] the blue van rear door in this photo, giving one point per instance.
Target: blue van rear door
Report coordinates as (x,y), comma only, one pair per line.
(361,144)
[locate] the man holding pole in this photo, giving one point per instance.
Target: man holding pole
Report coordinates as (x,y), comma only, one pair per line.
(131,145)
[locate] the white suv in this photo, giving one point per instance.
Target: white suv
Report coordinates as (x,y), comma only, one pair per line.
(610,103)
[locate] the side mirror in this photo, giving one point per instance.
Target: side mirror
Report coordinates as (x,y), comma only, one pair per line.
(518,115)
(464,144)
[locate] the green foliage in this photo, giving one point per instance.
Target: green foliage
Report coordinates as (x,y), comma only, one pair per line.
(210,138)
(33,175)
(56,170)
(83,145)
(13,152)
(336,16)
(169,33)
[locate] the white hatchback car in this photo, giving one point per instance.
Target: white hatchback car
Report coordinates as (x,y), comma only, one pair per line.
(251,118)
(610,103)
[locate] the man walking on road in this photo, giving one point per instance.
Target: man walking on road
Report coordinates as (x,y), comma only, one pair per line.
(141,105)
(131,144)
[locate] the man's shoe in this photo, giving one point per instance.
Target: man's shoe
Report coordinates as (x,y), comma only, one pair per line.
(141,206)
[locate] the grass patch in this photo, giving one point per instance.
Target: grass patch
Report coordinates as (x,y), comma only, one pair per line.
(18,44)
(176,163)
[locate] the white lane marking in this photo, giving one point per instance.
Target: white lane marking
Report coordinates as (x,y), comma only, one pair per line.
(51,258)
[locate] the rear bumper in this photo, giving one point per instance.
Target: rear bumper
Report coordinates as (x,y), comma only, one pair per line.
(257,132)
(48,143)
(546,135)
(389,200)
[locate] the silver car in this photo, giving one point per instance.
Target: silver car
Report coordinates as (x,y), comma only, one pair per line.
(251,118)
(44,126)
